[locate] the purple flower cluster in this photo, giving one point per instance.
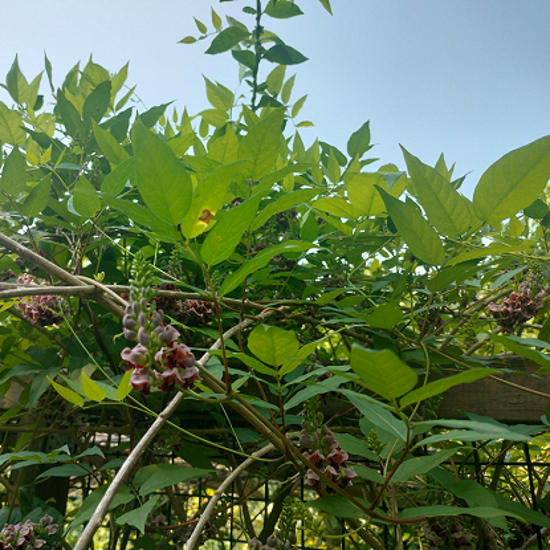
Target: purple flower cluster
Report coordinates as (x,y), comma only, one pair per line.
(28,535)
(43,311)
(274,542)
(520,306)
(157,358)
(447,535)
(329,458)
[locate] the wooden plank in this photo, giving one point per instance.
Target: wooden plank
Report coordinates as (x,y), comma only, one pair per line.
(500,401)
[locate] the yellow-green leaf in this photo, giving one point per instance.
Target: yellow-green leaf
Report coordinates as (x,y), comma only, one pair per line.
(513,182)
(91,390)
(67,394)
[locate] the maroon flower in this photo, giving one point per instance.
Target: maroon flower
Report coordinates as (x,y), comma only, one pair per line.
(136,357)
(176,356)
(167,334)
(141,380)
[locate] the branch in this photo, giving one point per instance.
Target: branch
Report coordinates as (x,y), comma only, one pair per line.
(209,510)
(533,540)
(55,271)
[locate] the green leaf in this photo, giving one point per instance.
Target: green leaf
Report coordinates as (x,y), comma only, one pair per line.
(216,20)
(385,316)
(37,200)
(11,126)
(475,495)
(326,386)
(208,197)
(224,237)
(333,168)
(275,79)
(21,369)
(326,5)
(150,118)
(338,506)
(444,510)
(85,198)
(201,26)
(91,390)
(355,446)
(513,182)
(67,394)
(108,145)
(287,89)
(370,475)
(260,147)
(282,9)
(70,116)
(297,107)
(17,84)
(137,518)
(383,372)
(335,206)
(273,345)
(359,142)
(67,470)
(123,496)
(218,97)
(253,363)
(244,57)
(144,217)
(421,465)
(363,195)
(378,415)
(446,209)
(97,103)
(473,430)
(421,238)
(260,260)
(227,39)
(542,359)
(116,180)
(162,181)
(156,477)
(48,66)
(124,388)
(283,204)
(284,55)
(14,173)
(439,386)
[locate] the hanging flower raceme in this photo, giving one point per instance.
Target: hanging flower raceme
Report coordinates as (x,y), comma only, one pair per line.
(327,456)
(44,311)
(157,359)
(520,306)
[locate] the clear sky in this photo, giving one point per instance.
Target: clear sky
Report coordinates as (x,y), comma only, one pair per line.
(470,78)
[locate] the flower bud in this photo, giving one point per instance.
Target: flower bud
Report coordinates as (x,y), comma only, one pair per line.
(157,318)
(129,334)
(129,322)
(143,337)
(142,319)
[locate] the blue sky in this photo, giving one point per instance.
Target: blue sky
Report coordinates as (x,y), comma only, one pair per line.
(470,78)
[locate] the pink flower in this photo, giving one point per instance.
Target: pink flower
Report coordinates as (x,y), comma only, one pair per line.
(177,356)
(136,357)
(141,380)
(167,335)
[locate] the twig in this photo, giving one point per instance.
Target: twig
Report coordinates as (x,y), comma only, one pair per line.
(193,539)
(533,540)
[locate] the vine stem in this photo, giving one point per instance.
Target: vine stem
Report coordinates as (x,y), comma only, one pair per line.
(97,519)
(208,511)
(56,271)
